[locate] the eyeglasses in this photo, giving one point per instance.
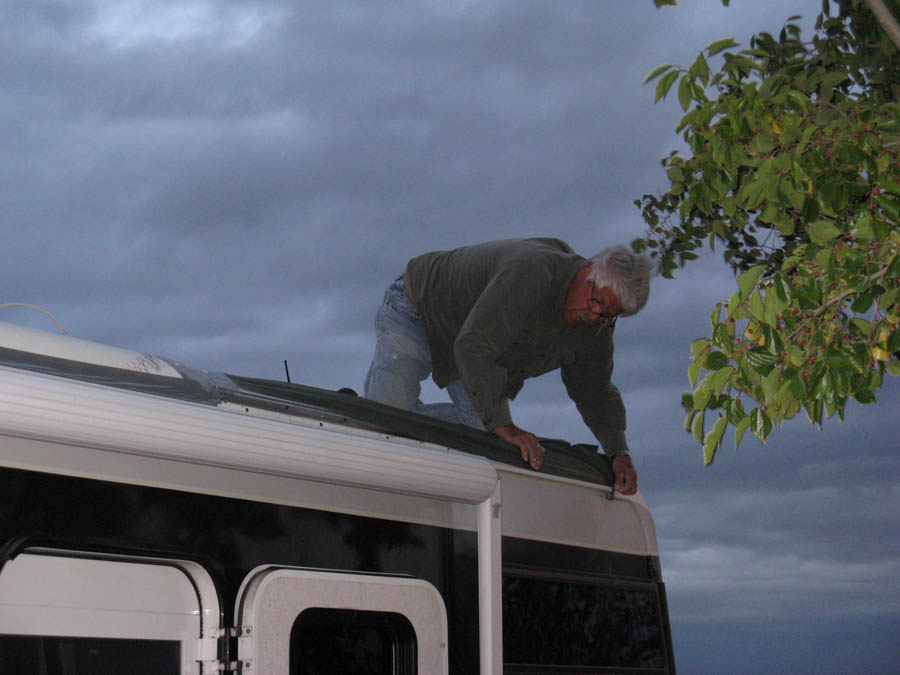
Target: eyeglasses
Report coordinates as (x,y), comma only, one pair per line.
(598,309)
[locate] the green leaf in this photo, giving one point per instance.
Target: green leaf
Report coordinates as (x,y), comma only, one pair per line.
(734,410)
(739,431)
(734,304)
(823,259)
(862,325)
(810,209)
(656,72)
(774,306)
(701,395)
(722,337)
(689,419)
(833,78)
(712,440)
(752,193)
(756,307)
(760,424)
(890,206)
(748,279)
(761,360)
(716,361)
(697,426)
(719,45)
(685,92)
(720,378)
(864,396)
(698,347)
(694,370)
(798,100)
(714,315)
(814,411)
(822,231)
(893,342)
(862,303)
(665,83)
(797,388)
(783,287)
(771,383)
(837,358)
(774,343)
(701,69)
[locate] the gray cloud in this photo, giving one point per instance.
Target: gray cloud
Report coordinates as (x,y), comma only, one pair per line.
(232,184)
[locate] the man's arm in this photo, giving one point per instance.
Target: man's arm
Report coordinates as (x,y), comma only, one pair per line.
(587,381)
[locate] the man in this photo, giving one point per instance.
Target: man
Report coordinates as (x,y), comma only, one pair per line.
(484,318)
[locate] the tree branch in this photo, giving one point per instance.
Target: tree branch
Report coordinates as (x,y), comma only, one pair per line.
(840,297)
(886,20)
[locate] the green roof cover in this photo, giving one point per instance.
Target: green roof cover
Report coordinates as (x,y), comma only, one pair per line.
(579,461)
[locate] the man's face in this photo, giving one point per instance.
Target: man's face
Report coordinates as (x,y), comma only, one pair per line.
(590,305)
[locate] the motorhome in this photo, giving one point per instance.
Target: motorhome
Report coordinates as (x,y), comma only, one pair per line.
(158,519)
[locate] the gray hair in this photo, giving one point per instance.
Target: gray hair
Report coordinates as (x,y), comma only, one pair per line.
(626,272)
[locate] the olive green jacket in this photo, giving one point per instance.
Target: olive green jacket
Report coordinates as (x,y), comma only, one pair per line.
(493,313)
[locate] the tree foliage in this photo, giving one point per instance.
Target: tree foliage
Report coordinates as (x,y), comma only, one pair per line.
(793,175)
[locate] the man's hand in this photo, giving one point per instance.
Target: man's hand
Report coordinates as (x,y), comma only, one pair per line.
(626,476)
(527,442)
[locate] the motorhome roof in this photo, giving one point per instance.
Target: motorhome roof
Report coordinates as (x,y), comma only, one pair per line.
(67,357)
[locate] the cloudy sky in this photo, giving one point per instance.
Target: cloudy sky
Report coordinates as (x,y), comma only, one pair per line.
(234,183)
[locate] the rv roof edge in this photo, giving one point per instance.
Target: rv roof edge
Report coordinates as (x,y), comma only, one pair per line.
(70,412)
(65,358)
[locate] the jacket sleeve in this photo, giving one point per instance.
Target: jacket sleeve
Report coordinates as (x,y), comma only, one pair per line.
(587,380)
(493,322)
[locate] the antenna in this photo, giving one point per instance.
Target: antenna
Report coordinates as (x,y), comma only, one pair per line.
(287,372)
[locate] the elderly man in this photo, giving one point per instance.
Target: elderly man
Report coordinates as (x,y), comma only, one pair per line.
(484,318)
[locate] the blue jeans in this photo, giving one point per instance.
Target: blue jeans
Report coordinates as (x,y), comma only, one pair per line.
(402,360)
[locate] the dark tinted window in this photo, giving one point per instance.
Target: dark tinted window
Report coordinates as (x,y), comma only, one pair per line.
(39,655)
(581,623)
(352,642)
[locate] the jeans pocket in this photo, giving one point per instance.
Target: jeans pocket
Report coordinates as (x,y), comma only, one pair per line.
(398,301)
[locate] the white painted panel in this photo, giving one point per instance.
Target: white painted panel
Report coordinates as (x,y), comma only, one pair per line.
(575,513)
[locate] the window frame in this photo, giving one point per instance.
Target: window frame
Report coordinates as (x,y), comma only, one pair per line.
(271,598)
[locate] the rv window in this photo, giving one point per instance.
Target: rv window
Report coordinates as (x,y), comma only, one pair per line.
(88,656)
(325,641)
(582,623)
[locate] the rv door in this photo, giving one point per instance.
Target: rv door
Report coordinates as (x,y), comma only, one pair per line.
(67,612)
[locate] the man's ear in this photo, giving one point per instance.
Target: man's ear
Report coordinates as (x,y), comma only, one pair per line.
(583,272)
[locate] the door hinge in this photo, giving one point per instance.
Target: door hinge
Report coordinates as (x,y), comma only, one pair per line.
(245,650)
(215,650)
